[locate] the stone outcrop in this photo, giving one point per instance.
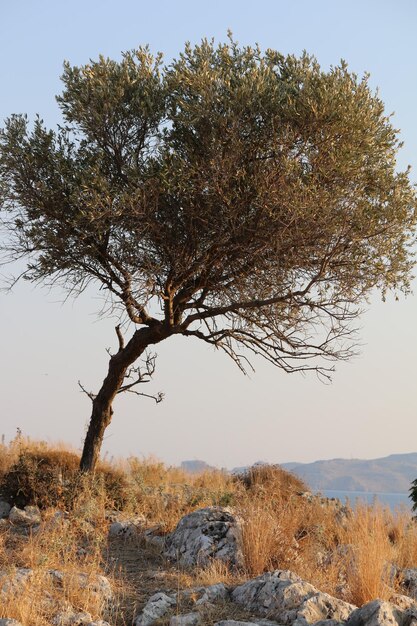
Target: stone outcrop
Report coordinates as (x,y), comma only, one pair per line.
(161,604)
(377,613)
(189,619)
(286,598)
(211,533)
(409,581)
(156,607)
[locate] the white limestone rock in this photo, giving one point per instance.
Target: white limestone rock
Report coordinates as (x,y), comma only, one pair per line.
(156,607)
(212,593)
(72,618)
(5,621)
(267,593)
(126,529)
(189,619)
(211,533)
(323,608)
(377,613)
(284,597)
(402,602)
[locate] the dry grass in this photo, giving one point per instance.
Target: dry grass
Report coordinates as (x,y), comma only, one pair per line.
(350,554)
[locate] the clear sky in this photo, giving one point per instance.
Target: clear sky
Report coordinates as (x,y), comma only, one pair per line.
(211,411)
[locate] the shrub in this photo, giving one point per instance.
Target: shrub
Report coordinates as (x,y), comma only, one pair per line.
(272,480)
(51,478)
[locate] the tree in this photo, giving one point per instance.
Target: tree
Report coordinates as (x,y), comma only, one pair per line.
(247,199)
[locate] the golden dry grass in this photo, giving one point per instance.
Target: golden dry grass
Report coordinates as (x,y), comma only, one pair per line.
(347,553)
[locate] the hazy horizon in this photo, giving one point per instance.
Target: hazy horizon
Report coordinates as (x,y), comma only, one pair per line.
(210,411)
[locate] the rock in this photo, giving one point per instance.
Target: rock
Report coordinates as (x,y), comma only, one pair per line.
(284,597)
(15,580)
(27,517)
(72,618)
(232,622)
(259,595)
(402,602)
(211,533)
(156,607)
(323,608)
(126,529)
(4,509)
(5,621)
(212,593)
(97,584)
(376,613)
(189,619)
(409,581)
(152,538)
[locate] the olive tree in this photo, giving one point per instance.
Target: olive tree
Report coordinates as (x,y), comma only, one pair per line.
(244,198)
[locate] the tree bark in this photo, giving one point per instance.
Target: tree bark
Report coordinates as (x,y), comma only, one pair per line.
(102,404)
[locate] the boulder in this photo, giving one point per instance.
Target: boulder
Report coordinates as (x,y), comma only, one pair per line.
(189,619)
(286,598)
(402,602)
(28,517)
(211,533)
(323,608)
(377,613)
(4,509)
(72,618)
(5,621)
(156,607)
(409,581)
(126,529)
(152,537)
(265,593)
(123,530)
(212,593)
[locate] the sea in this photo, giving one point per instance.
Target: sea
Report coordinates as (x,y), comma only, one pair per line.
(395,501)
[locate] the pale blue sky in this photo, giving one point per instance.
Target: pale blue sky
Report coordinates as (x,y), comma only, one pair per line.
(210,411)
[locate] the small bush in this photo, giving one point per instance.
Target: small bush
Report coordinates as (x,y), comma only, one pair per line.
(272,480)
(51,478)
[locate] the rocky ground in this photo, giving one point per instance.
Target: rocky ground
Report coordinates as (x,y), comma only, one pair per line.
(156,574)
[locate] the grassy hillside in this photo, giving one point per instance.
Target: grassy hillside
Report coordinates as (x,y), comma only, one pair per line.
(349,554)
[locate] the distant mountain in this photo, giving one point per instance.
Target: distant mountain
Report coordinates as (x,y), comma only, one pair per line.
(390,474)
(195,467)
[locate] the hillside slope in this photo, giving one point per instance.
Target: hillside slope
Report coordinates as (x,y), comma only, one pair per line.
(391,474)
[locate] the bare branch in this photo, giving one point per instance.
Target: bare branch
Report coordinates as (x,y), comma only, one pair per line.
(91,395)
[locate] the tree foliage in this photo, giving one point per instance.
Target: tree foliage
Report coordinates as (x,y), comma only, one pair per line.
(245,198)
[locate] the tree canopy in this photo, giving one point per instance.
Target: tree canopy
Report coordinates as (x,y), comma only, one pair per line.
(245,198)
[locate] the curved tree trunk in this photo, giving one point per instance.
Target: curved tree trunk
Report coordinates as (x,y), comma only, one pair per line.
(102,404)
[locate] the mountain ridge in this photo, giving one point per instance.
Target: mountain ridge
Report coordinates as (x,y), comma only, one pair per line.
(389,474)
